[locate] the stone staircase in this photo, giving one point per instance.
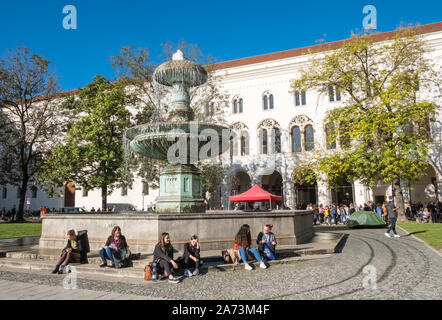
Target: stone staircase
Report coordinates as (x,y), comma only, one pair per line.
(31,257)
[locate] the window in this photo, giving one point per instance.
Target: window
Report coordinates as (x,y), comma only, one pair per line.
(277,134)
(5,192)
(233,147)
(264,141)
(309,139)
(300,98)
(145,188)
(296,139)
(244,143)
(267,101)
(334,94)
(85,192)
(237,105)
(330,136)
(34,192)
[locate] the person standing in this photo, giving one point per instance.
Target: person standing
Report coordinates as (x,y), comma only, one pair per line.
(392,216)
(13,212)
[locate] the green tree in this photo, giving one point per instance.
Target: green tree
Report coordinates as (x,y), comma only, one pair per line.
(29,117)
(212,177)
(384,123)
(91,153)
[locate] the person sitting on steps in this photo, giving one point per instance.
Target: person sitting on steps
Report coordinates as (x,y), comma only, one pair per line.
(114,249)
(163,257)
(243,241)
(266,237)
(192,256)
(71,253)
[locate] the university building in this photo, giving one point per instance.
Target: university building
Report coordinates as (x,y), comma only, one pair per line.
(275,130)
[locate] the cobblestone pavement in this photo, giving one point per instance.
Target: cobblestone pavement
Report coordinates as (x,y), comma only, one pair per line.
(405,268)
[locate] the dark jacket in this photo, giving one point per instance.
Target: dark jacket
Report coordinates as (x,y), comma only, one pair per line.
(261,235)
(189,250)
(159,254)
(110,238)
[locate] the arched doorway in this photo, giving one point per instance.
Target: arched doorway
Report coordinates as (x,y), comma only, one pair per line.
(343,193)
(272,183)
(306,193)
(69,194)
(425,189)
(239,182)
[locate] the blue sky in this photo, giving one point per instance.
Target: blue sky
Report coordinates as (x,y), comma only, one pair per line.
(225,29)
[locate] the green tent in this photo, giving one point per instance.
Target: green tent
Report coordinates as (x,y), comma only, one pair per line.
(365,219)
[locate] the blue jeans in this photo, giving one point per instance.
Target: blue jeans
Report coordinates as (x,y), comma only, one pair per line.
(106,254)
(254,251)
(392,225)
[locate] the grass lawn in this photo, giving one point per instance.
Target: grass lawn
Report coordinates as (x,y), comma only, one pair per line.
(431,233)
(14,230)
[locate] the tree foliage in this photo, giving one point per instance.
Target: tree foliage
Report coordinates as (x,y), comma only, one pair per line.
(91,153)
(29,118)
(384,122)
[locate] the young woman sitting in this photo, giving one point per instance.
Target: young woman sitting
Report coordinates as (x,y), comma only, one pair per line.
(163,257)
(266,237)
(243,241)
(115,248)
(71,253)
(192,256)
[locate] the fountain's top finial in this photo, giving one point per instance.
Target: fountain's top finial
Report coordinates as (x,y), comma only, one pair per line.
(178,55)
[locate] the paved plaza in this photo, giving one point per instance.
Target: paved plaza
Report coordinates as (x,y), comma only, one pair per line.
(405,268)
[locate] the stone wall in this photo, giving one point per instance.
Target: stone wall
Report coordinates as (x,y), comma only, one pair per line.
(215,229)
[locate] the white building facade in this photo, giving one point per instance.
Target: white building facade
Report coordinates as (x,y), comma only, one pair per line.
(261,103)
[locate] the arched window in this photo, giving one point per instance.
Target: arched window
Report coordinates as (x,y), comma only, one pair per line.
(330,136)
(309,140)
(267,101)
(296,139)
(244,143)
(237,105)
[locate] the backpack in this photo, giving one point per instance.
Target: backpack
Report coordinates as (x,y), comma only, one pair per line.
(268,253)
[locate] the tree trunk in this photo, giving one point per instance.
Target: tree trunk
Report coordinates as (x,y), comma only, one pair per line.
(399,200)
(21,204)
(104,198)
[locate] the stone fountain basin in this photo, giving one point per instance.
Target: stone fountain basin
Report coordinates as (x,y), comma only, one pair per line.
(155,139)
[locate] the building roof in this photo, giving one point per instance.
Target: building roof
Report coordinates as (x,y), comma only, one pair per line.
(424,29)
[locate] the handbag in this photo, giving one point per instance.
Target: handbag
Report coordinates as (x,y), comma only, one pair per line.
(268,253)
(148,272)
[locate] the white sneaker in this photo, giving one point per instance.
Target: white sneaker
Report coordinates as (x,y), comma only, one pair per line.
(262,265)
(386,234)
(196,272)
(247,267)
(187,273)
(397,236)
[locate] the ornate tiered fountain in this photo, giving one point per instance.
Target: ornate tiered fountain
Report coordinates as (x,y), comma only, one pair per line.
(180,182)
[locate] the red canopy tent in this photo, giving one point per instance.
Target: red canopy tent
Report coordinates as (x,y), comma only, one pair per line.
(254,194)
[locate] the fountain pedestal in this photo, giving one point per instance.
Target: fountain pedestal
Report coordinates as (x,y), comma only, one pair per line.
(180,190)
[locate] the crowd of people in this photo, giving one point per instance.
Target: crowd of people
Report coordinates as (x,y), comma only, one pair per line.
(340,213)
(116,250)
